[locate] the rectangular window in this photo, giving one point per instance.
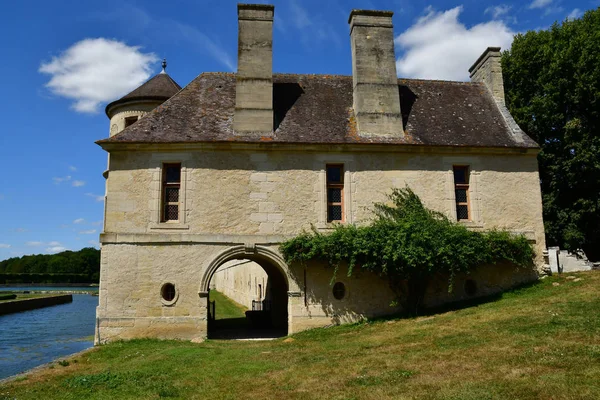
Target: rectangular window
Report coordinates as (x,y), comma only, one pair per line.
(335,192)
(461,192)
(130,121)
(171,184)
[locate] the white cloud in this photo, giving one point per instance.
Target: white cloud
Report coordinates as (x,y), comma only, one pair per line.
(79,221)
(576,13)
(203,42)
(94,243)
(21,230)
(78,183)
(170,30)
(34,244)
(59,180)
(97,197)
(540,3)
(301,18)
(311,28)
(5,246)
(498,11)
(88,232)
(72,168)
(438,46)
(93,71)
(55,249)
(55,243)
(96,223)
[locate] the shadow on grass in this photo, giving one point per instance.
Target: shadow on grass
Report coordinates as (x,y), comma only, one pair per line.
(459,305)
(241,329)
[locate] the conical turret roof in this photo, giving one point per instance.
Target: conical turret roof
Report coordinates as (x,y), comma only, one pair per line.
(160,87)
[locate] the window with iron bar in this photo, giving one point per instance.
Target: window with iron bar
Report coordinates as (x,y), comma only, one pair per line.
(171,185)
(335,192)
(461,192)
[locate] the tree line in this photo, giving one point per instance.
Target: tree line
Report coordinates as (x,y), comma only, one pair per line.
(552,84)
(81,266)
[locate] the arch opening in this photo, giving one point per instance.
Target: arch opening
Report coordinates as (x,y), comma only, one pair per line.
(247,296)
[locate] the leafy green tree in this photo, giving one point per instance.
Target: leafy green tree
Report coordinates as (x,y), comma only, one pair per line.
(552,84)
(409,244)
(82,263)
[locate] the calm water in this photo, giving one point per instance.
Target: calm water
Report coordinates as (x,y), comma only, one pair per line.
(49,288)
(35,337)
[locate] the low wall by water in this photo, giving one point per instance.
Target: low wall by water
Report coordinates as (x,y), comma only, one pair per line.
(10,307)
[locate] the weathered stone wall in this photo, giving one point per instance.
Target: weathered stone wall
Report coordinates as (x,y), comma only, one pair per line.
(254,78)
(375,82)
(283,193)
(242,281)
(132,274)
(247,201)
(133,109)
(488,69)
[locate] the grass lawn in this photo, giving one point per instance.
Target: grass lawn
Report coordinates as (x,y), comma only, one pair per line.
(225,308)
(540,342)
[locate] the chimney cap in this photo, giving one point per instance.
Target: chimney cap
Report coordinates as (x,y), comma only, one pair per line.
(246,6)
(483,56)
(256,11)
(369,13)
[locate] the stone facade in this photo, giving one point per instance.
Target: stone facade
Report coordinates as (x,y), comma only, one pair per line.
(262,199)
(242,191)
(283,192)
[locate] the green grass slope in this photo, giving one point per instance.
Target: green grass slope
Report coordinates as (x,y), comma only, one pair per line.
(226,308)
(540,342)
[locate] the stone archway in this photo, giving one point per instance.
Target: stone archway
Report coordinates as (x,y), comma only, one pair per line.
(280,279)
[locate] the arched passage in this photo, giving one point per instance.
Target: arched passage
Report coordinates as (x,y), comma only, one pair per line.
(271,320)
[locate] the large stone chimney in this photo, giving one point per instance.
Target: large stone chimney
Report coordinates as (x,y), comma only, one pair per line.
(254,79)
(488,69)
(376,96)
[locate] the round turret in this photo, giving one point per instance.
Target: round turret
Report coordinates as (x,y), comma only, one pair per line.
(131,107)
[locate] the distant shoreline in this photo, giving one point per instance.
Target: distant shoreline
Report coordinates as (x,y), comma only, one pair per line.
(49,284)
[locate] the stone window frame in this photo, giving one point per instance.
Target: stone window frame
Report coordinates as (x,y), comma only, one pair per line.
(131,120)
(336,185)
(349,189)
(474,194)
(165,302)
(344,289)
(463,186)
(165,187)
(157,162)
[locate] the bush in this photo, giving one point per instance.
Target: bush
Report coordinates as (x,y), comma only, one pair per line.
(408,244)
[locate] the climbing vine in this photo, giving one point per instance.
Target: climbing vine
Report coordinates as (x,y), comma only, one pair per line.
(408,244)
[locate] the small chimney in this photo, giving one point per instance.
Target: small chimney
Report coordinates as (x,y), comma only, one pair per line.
(254,79)
(376,95)
(488,69)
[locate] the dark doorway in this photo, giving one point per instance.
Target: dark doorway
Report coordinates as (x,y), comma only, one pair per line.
(247,299)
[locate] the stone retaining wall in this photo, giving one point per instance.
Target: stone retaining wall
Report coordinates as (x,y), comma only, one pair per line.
(10,307)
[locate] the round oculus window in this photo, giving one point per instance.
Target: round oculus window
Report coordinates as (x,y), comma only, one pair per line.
(339,290)
(168,293)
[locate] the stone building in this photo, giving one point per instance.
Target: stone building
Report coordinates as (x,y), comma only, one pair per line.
(233,164)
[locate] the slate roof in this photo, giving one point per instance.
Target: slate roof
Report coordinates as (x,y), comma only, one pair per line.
(315,109)
(160,87)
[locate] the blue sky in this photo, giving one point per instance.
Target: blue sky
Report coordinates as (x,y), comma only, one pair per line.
(63,61)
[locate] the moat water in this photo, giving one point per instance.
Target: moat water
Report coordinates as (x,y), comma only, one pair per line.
(32,338)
